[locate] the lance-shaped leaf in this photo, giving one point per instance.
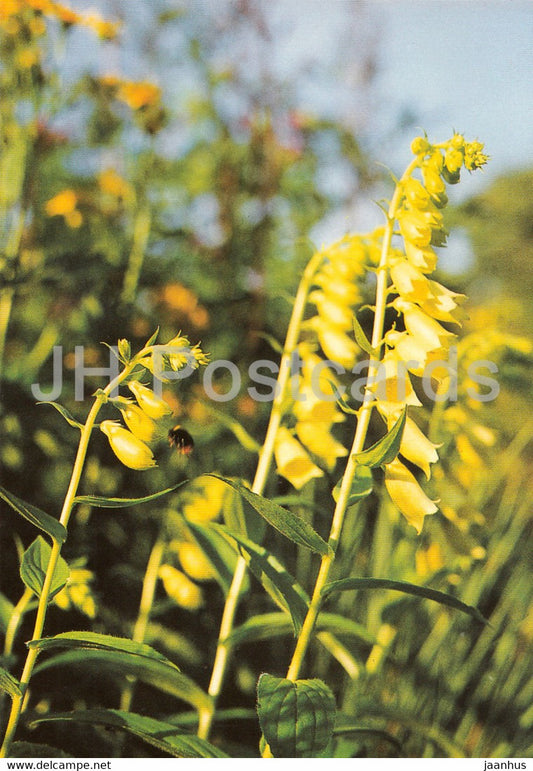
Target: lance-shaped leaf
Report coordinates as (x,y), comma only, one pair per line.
(263,565)
(267,626)
(34,567)
(164,736)
(122,503)
(71,420)
(387,448)
(296,717)
(290,525)
(345,584)
(361,339)
(125,656)
(38,518)
(9,684)
(362,485)
(6,609)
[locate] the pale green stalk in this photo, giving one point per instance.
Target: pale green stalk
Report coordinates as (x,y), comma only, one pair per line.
(363,420)
(261,476)
(55,553)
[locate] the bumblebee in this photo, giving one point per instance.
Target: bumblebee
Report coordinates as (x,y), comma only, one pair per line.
(179,438)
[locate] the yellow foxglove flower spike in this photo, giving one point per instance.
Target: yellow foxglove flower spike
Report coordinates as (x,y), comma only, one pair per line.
(130,450)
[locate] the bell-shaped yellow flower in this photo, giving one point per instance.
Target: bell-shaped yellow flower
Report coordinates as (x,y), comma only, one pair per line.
(416,447)
(332,311)
(336,344)
(423,327)
(194,562)
(204,499)
(413,352)
(152,405)
(292,461)
(313,406)
(423,258)
(317,439)
(139,423)
(130,450)
(407,494)
(393,388)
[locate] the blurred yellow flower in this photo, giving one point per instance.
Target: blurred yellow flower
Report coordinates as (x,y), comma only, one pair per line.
(181,589)
(194,562)
(292,461)
(138,94)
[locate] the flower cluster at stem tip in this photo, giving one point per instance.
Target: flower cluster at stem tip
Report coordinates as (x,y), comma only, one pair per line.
(305,447)
(147,417)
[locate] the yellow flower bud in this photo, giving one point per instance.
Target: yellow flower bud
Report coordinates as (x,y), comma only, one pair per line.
(407,494)
(181,589)
(292,461)
(130,450)
(194,562)
(420,146)
(152,405)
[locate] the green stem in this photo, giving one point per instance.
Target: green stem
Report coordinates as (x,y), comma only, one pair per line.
(260,479)
(145,609)
(141,234)
(363,421)
(16,707)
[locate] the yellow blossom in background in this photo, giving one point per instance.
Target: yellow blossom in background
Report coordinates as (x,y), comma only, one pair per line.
(193,561)
(181,589)
(138,94)
(113,184)
(429,560)
(204,499)
(316,438)
(77,593)
(292,461)
(64,204)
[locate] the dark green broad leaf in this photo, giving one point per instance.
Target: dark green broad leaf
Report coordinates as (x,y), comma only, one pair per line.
(345,584)
(296,717)
(265,565)
(6,609)
(362,485)
(387,448)
(290,525)
(71,420)
(267,626)
(38,518)
(9,684)
(126,657)
(34,565)
(122,503)
(163,736)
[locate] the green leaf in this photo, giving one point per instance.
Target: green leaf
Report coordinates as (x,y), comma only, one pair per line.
(387,448)
(296,717)
(362,485)
(65,413)
(267,626)
(290,525)
(38,518)
(361,339)
(217,550)
(9,684)
(34,750)
(6,609)
(121,503)
(127,657)
(35,564)
(164,736)
(345,584)
(264,564)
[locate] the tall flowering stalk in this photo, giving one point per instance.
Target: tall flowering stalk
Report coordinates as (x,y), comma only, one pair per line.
(421,303)
(130,445)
